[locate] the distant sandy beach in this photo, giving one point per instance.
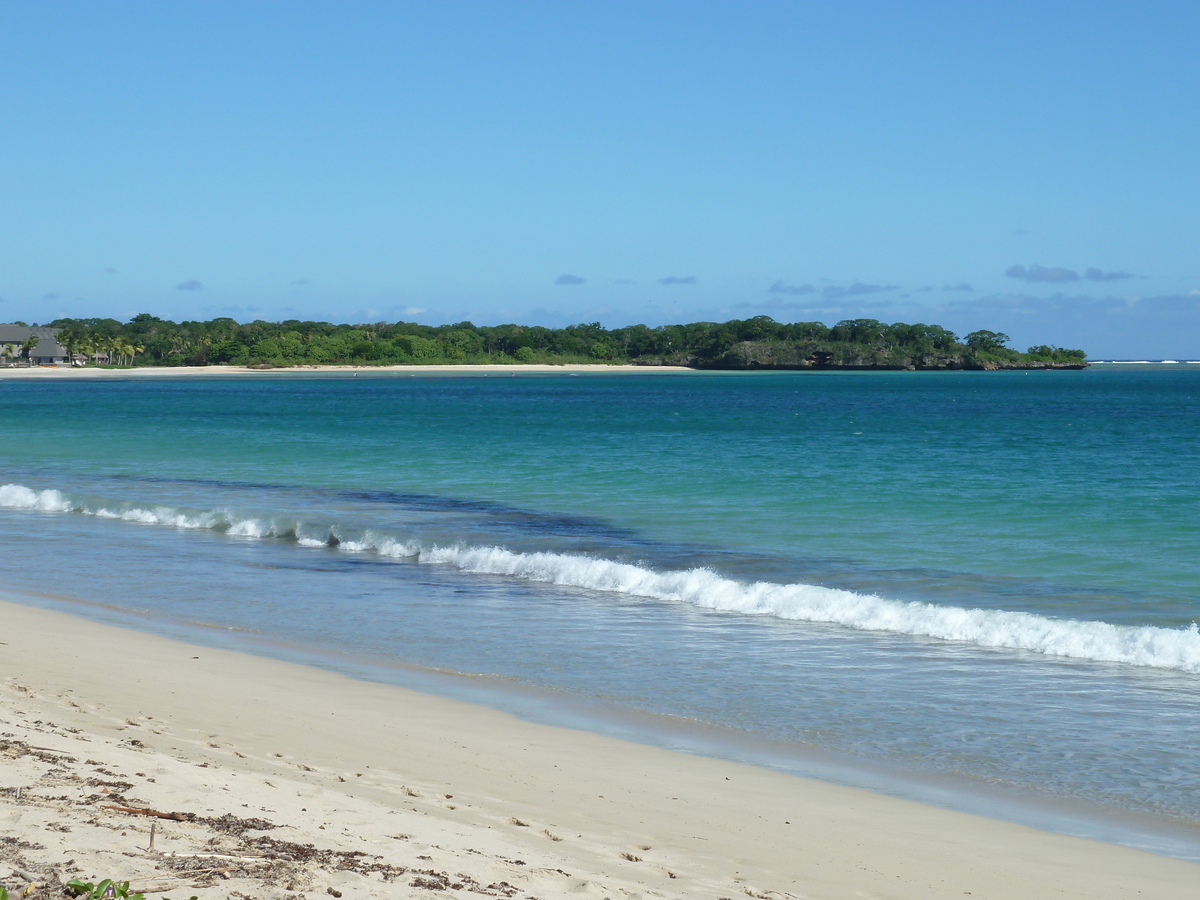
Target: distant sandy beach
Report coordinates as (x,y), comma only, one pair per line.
(278,780)
(189,371)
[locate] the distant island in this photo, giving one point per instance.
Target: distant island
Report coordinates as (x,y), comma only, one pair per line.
(757,343)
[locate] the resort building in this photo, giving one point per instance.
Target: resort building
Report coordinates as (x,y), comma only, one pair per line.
(47,351)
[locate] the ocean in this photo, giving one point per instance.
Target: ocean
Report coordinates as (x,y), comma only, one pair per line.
(978,589)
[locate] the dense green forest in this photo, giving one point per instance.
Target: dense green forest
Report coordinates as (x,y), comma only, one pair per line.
(759,342)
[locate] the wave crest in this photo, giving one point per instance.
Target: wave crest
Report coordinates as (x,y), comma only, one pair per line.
(1151,646)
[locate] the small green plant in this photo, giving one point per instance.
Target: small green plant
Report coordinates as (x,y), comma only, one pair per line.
(3,893)
(105,890)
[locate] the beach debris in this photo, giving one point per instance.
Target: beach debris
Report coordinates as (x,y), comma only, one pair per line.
(205,850)
(49,750)
(20,748)
(27,877)
(135,811)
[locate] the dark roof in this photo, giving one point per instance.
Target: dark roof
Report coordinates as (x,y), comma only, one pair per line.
(16,334)
(48,345)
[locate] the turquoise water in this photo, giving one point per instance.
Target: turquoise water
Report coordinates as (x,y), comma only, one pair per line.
(988,580)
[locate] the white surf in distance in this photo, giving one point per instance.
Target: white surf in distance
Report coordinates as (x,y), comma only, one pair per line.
(1151,646)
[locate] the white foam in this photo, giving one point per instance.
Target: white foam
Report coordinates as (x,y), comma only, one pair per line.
(17,496)
(253,528)
(1164,648)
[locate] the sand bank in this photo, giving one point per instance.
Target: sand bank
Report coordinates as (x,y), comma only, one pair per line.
(210,371)
(404,794)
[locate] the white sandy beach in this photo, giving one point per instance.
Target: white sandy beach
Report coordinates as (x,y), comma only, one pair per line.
(186,371)
(442,796)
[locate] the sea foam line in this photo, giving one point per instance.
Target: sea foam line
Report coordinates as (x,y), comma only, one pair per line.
(1146,645)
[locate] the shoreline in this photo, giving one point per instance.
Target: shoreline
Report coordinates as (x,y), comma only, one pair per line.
(483,368)
(230,733)
(209,371)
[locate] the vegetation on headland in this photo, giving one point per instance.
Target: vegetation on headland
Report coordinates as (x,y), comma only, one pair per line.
(757,343)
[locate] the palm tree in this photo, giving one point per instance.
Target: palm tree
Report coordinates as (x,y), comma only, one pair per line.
(29,344)
(102,347)
(69,342)
(205,343)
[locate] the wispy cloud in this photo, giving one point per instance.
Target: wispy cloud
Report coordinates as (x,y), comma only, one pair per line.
(1042,273)
(414,310)
(833,291)
(794,290)
(1100,275)
(110,270)
(678,279)
(50,296)
(569,279)
(818,307)
(836,292)
(961,286)
(190,285)
(233,310)
(300,281)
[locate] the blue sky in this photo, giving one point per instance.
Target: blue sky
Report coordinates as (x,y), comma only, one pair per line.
(1025,167)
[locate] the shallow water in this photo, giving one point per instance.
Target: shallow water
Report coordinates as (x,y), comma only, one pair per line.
(990,578)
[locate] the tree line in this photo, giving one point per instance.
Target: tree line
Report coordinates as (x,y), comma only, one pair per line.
(740,343)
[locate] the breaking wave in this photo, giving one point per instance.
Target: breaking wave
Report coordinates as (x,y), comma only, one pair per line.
(1163,648)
